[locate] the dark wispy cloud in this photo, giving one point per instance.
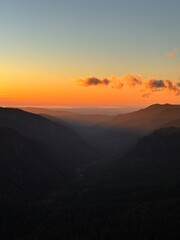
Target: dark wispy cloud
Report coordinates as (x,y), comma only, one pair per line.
(113,82)
(154,85)
(93,81)
(146,87)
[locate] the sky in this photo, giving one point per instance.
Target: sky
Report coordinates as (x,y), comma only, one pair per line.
(89,53)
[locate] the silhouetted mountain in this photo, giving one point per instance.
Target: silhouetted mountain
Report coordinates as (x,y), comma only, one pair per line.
(28,170)
(60,138)
(117,133)
(148,119)
(136,197)
(70,117)
(84,124)
(155,160)
(132,196)
(122,131)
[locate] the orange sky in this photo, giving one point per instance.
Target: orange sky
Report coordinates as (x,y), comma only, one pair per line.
(41,93)
(47,46)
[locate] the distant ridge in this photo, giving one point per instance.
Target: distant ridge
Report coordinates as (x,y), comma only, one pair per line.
(68,116)
(147,119)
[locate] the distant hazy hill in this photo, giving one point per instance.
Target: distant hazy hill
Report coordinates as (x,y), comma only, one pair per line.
(122,131)
(70,117)
(118,133)
(148,119)
(143,120)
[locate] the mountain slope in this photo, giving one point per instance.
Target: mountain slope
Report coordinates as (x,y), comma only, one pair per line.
(70,117)
(117,134)
(60,138)
(154,161)
(28,170)
(148,119)
(122,131)
(137,197)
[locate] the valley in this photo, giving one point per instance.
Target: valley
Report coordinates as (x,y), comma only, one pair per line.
(90,177)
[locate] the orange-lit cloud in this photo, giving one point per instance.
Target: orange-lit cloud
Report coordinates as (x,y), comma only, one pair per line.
(146,87)
(172,53)
(113,82)
(132,80)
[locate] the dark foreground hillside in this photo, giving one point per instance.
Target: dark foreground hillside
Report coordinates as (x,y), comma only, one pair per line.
(29,174)
(28,170)
(136,196)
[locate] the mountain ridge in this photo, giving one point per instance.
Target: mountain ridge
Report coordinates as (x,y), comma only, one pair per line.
(57,136)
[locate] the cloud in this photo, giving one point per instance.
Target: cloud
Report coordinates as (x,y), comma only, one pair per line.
(155,84)
(116,83)
(172,54)
(132,80)
(160,85)
(147,87)
(113,82)
(93,81)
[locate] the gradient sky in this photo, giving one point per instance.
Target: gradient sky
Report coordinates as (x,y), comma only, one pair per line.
(47,45)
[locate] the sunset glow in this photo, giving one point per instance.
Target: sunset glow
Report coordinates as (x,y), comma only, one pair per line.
(46,48)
